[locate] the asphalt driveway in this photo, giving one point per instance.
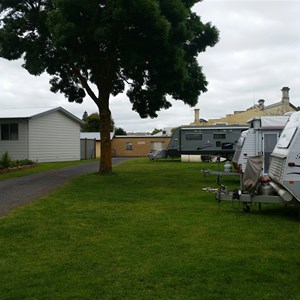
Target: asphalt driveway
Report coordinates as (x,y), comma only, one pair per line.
(22,190)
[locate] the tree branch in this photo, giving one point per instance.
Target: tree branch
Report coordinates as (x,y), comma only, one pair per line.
(123,77)
(85,84)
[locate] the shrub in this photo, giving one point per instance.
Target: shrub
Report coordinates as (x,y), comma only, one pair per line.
(25,162)
(5,160)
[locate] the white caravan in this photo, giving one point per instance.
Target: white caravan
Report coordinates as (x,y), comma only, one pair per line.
(282,186)
(285,160)
(259,139)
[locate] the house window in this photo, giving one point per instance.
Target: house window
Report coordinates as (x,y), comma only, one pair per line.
(9,132)
(128,146)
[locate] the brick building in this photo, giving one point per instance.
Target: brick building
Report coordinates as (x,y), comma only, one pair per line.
(138,145)
(122,146)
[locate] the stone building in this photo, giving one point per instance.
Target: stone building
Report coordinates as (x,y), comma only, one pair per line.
(260,109)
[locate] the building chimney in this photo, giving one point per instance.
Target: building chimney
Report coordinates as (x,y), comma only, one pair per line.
(285,95)
(197,116)
(261,104)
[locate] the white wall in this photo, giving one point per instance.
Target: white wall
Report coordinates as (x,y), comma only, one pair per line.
(17,149)
(54,137)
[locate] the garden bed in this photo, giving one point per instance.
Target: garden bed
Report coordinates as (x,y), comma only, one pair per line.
(19,168)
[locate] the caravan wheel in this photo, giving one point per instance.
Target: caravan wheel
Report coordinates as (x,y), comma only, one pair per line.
(229,157)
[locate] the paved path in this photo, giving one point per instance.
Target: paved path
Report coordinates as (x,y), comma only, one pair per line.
(19,191)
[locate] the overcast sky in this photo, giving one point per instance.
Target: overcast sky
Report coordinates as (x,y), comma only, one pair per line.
(258,54)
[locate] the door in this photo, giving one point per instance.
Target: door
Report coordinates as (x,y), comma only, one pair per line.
(269,143)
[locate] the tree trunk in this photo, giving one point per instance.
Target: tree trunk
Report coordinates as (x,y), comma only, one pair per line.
(105,119)
(105,158)
(104,85)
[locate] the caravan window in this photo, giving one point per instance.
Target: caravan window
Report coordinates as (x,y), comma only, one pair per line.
(286,137)
(193,136)
(241,140)
(219,136)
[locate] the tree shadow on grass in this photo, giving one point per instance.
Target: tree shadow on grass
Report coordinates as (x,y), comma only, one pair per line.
(165,160)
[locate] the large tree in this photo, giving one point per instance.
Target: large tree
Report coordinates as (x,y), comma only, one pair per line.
(94,46)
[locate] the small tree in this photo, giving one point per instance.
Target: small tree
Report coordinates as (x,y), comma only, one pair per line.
(155,131)
(120,131)
(92,47)
(93,123)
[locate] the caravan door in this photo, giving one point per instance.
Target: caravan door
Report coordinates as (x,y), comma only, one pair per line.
(269,143)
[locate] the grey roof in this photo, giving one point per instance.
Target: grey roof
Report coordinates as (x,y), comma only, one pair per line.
(271,121)
(279,104)
(27,113)
(93,135)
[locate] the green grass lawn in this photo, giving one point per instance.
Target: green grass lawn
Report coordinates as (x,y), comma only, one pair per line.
(148,232)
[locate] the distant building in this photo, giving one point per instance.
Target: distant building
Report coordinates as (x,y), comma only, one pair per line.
(139,133)
(260,109)
(122,145)
(138,145)
(167,131)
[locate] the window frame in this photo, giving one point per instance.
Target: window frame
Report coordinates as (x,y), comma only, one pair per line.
(128,146)
(286,137)
(194,136)
(9,132)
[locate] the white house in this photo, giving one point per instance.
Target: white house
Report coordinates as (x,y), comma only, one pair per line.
(40,134)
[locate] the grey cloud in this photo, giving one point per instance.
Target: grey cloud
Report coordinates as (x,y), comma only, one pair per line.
(258,54)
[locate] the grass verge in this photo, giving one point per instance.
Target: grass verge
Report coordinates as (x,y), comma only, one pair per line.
(42,167)
(148,232)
